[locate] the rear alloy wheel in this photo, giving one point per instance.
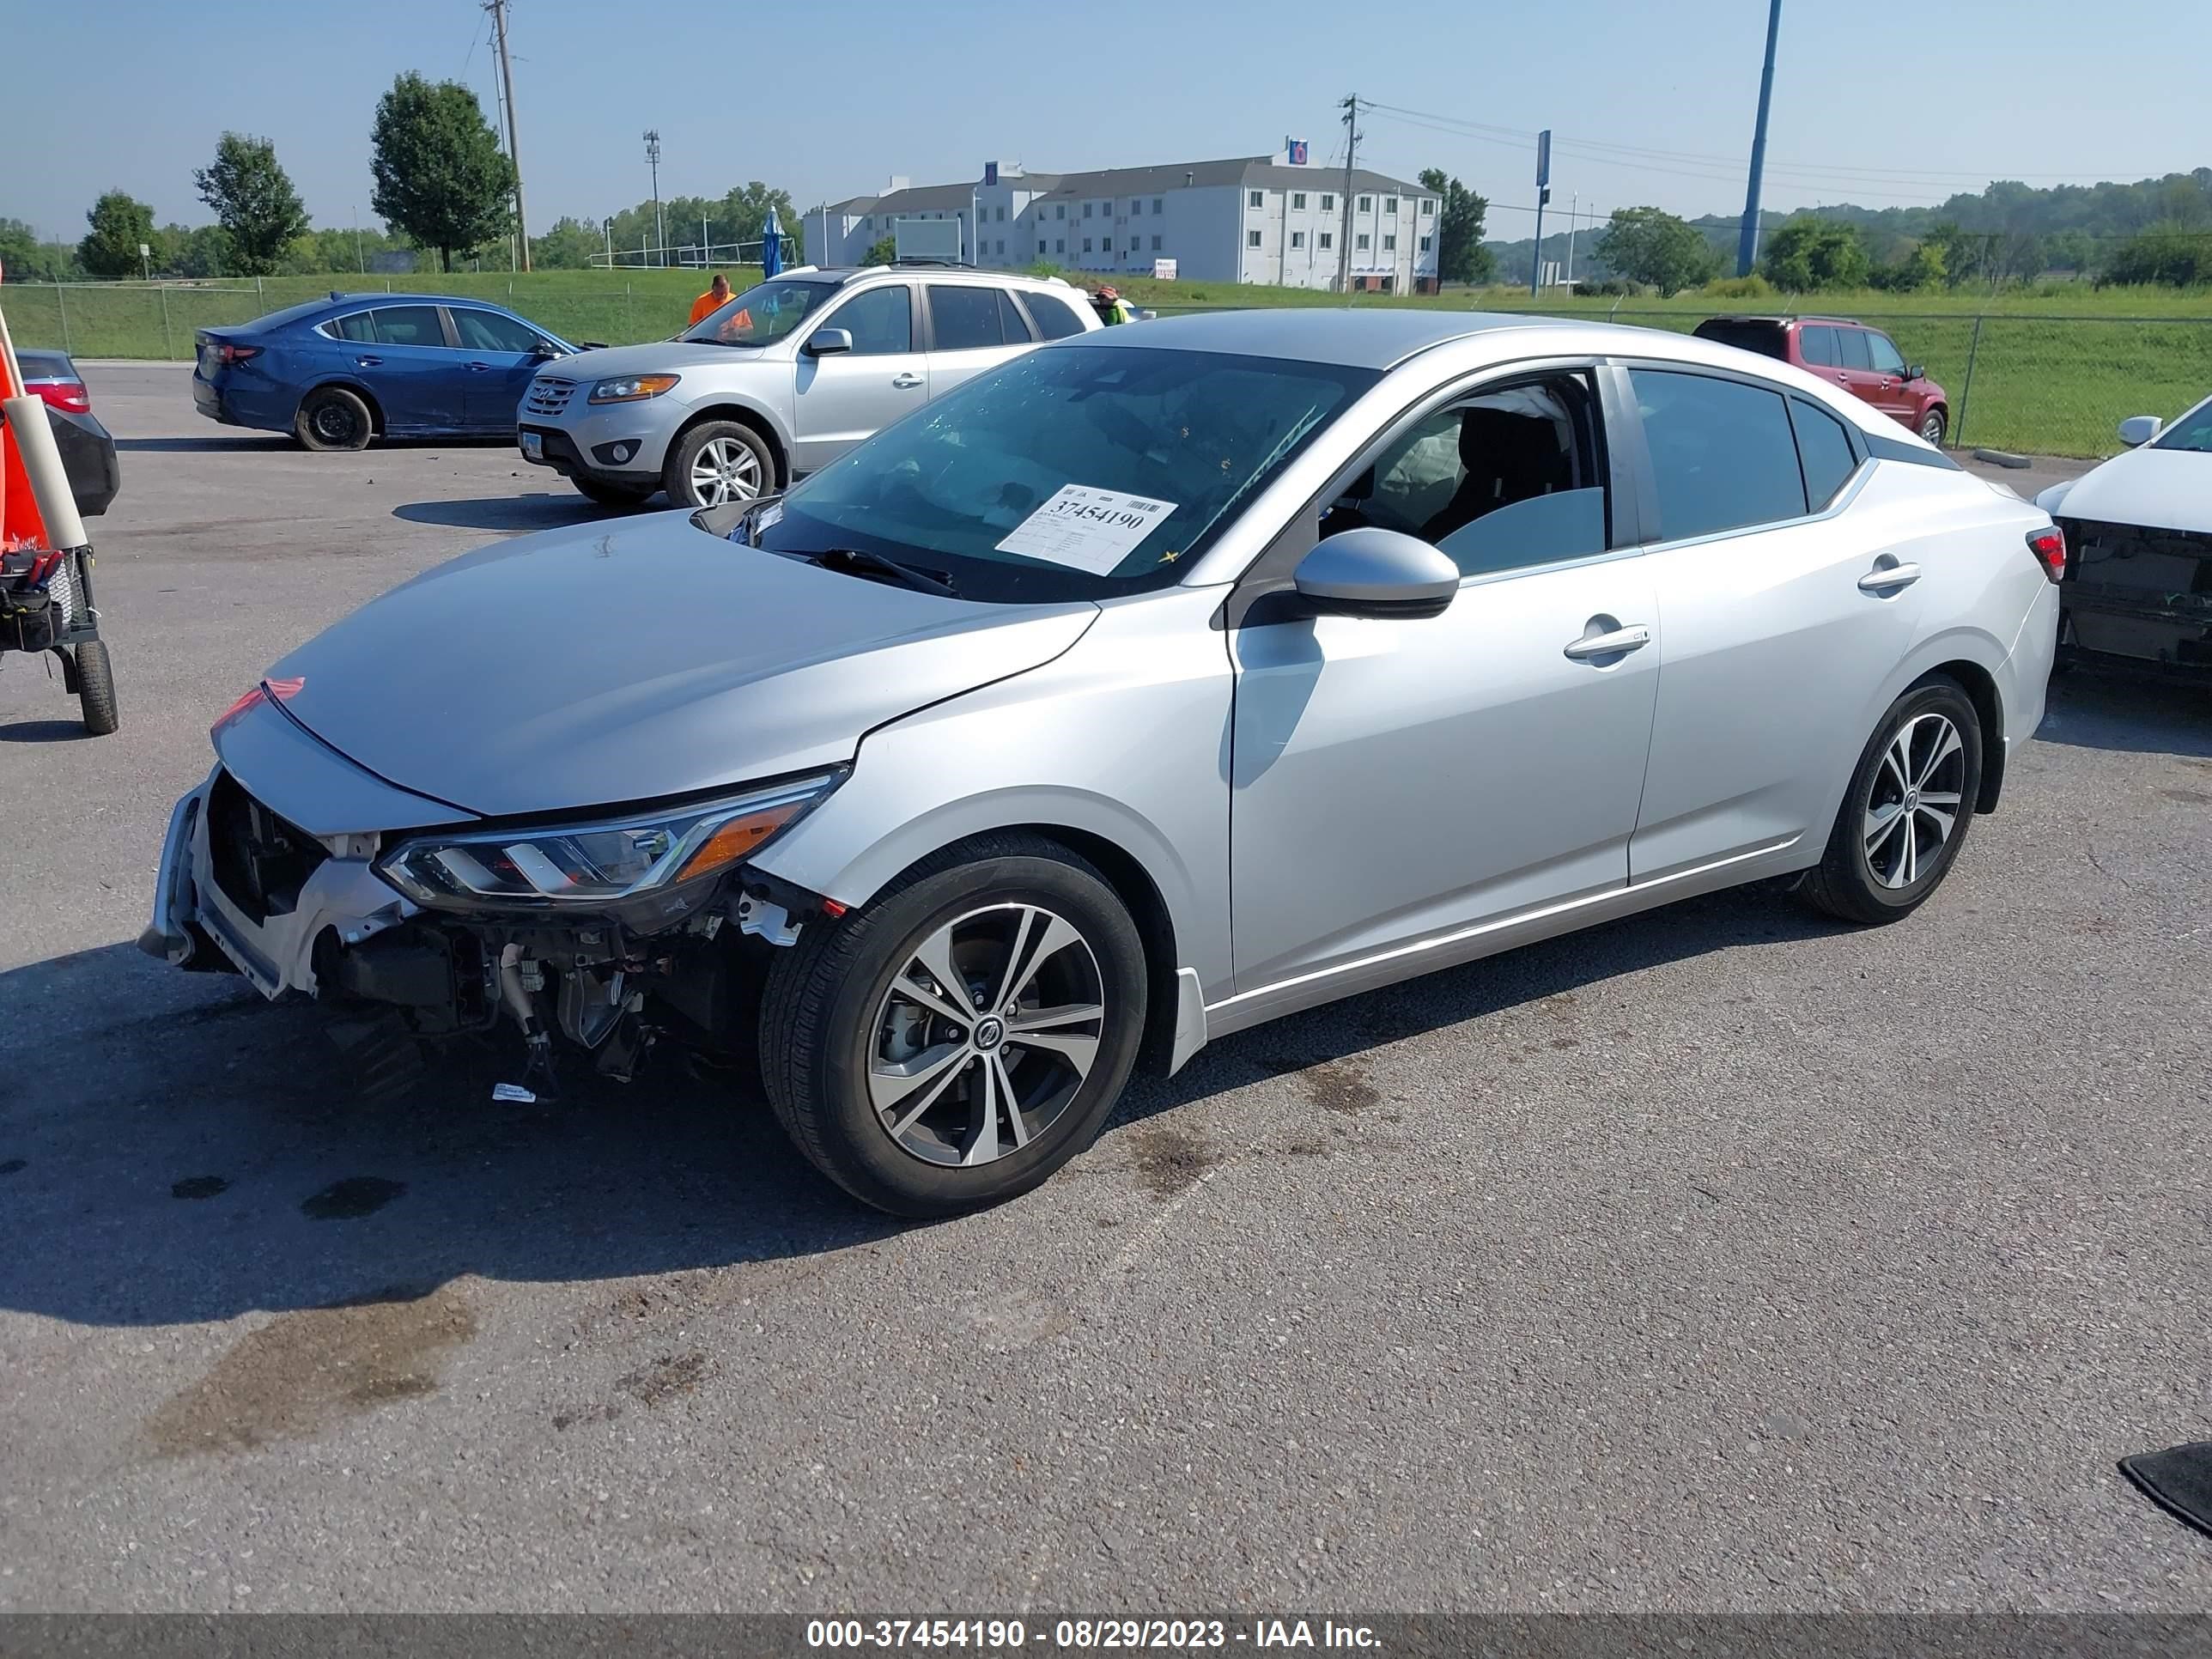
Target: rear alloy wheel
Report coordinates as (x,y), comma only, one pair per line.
(332,418)
(1931,427)
(955,1041)
(1910,805)
(717,462)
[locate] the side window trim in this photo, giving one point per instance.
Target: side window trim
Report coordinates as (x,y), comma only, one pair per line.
(446,327)
(1270,573)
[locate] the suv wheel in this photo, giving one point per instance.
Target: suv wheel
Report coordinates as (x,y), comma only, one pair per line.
(1931,427)
(955,1041)
(717,462)
(1907,813)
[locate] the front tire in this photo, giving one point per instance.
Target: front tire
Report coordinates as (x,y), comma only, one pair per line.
(612,495)
(951,1044)
(96,689)
(717,462)
(1932,427)
(1908,809)
(331,417)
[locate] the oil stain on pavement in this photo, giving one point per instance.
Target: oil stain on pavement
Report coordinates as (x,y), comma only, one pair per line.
(351,1199)
(1170,1159)
(305,1370)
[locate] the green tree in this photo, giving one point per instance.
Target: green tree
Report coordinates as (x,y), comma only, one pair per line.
(881,251)
(25,258)
(254,203)
(1809,253)
(440,175)
(1461,255)
(1921,268)
(2172,253)
(568,246)
(1646,245)
(119,223)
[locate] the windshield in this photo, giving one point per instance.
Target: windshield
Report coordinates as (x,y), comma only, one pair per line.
(2193,431)
(1071,472)
(762,315)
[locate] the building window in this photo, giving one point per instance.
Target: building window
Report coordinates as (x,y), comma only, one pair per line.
(1367,205)
(1086,244)
(1105,244)
(1258,198)
(1251,238)
(1390,244)
(1086,210)
(1389,204)
(1327,206)
(1362,243)
(1002,245)
(1155,244)
(1059,244)
(1425,240)
(1428,209)
(1158,206)
(1137,205)
(1001,215)
(1297,238)
(1327,239)
(1041,246)
(1298,198)
(1059,209)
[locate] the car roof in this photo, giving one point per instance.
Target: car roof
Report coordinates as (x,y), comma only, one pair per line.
(929,268)
(1377,337)
(1783,322)
(338,299)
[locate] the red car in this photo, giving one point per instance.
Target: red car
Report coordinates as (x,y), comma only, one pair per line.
(1864,361)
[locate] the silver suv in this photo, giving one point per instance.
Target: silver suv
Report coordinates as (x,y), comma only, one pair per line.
(782,380)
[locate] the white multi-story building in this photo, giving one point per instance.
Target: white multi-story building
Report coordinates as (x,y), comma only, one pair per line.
(1248,219)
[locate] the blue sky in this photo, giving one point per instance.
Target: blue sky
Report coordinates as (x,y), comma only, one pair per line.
(1881,103)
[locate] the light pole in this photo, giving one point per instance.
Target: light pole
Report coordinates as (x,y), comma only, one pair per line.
(1747,244)
(653,158)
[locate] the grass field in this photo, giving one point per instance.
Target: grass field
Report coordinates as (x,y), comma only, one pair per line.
(2055,370)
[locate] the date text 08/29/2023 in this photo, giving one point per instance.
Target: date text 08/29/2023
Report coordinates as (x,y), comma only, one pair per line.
(1007,1635)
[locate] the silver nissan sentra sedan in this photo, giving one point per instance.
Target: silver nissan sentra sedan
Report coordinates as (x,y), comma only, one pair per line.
(1157,683)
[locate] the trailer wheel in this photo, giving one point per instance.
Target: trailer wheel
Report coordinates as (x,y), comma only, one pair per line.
(95,688)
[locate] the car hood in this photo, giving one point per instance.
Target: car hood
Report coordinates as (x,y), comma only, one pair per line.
(618,663)
(655,357)
(2157,489)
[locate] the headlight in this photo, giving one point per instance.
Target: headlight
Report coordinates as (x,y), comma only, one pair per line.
(631,388)
(595,865)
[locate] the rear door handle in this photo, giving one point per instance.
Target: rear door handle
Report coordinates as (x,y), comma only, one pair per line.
(1617,643)
(479,367)
(906,381)
(1889,577)
(369,362)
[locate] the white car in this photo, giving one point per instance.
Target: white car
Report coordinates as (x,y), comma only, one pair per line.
(2139,537)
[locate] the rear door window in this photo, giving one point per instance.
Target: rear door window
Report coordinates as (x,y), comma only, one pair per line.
(962,318)
(353,325)
(1824,450)
(1818,347)
(1055,318)
(1012,323)
(409,326)
(1853,343)
(1722,454)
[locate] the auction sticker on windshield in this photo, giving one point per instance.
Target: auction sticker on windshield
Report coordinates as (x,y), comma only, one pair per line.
(1089,529)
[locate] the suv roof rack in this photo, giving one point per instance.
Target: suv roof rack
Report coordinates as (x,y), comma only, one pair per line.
(933,259)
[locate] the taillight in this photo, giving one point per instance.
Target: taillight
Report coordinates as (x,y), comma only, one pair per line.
(68,395)
(228,353)
(2048,547)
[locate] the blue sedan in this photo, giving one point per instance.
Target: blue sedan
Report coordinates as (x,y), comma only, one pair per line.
(336,372)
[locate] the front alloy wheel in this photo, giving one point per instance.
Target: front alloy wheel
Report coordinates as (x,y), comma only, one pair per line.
(950,1044)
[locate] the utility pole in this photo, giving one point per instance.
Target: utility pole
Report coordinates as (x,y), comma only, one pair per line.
(1747,245)
(1574,215)
(653,157)
(498,10)
(1350,149)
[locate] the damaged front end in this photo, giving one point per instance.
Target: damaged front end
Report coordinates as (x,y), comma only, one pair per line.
(607,929)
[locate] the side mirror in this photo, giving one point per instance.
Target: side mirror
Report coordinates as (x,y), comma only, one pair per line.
(2139,429)
(1373,572)
(545,349)
(829,342)
(1916,371)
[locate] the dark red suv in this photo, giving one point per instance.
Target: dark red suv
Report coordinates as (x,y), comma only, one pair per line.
(1864,361)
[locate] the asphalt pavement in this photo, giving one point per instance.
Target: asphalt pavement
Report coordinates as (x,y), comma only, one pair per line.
(1720,1259)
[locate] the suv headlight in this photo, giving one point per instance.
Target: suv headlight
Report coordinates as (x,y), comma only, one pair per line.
(596,865)
(632,388)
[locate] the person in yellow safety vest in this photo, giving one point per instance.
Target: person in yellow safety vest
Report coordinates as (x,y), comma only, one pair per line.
(1112,308)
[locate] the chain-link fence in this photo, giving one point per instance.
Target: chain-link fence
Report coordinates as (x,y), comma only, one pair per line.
(2053,385)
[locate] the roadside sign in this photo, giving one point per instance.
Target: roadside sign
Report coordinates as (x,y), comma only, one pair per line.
(1544,157)
(1163,271)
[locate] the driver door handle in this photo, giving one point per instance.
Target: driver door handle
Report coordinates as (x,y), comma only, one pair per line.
(480,368)
(369,362)
(907,381)
(1889,577)
(1619,643)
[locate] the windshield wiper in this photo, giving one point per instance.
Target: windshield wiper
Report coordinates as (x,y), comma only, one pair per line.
(860,562)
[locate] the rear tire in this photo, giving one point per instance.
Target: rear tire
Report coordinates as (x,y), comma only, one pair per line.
(96,689)
(1932,427)
(613,494)
(1908,809)
(331,417)
(717,462)
(920,1112)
